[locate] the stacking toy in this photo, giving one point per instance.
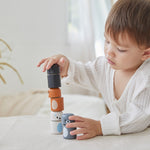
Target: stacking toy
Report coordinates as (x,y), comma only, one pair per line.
(58,119)
(56,101)
(66,131)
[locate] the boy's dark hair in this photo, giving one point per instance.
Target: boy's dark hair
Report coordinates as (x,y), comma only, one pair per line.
(131,17)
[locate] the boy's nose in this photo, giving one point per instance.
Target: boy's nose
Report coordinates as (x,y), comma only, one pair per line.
(110,52)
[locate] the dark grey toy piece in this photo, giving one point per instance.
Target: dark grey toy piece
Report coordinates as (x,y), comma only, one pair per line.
(66,131)
(53,76)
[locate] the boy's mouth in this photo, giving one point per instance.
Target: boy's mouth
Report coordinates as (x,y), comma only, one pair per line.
(110,61)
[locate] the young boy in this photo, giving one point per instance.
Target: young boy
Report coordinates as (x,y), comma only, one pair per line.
(122,76)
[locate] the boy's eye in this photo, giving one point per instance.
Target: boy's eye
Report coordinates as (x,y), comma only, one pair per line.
(121,50)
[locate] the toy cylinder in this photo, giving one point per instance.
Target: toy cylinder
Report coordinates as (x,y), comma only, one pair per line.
(66,131)
(57,104)
(54,92)
(53,81)
(53,76)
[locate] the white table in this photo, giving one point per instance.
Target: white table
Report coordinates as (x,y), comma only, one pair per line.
(33,133)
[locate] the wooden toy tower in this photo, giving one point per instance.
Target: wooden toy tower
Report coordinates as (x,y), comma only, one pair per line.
(56,101)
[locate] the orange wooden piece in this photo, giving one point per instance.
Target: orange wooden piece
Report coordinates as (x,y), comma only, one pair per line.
(54,92)
(57,104)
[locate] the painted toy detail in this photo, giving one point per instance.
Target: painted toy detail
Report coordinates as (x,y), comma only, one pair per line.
(56,127)
(66,131)
(57,104)
(56,116)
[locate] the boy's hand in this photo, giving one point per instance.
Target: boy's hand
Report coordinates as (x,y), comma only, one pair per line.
(61,60)
(88,127)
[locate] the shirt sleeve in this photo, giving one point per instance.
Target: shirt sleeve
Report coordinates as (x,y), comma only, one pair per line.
(88,75)
(136,118)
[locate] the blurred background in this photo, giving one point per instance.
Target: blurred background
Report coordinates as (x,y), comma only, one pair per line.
(34,29)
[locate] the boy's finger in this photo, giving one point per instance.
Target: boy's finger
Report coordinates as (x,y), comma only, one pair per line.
(78,131)
(49,63)
(75,125)
(41,62)
(45,65)
(76,118)
(83,137)
(55,60)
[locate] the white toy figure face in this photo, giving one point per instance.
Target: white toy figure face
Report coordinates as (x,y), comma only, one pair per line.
(58,116)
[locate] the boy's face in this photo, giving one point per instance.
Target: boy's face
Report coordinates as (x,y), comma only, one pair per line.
(123,55)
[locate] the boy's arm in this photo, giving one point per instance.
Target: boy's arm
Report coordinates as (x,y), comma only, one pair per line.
(135,119)
(88,75)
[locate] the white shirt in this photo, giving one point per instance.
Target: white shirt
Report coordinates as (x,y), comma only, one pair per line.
(131,112)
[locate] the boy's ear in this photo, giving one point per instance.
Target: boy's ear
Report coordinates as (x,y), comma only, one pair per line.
(146,54)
